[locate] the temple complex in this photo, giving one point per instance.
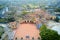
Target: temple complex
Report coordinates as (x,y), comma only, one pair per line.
(27,28)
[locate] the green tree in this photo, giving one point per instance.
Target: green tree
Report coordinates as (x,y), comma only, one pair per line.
(10,16)
(2,20)
(24,12)
(57,19)
(47,34)
(1,7)
(1,31)
(43,27)
(57,9)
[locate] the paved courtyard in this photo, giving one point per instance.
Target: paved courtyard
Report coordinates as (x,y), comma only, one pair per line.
(26,31)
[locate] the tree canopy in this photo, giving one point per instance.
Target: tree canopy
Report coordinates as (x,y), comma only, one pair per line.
(1,31)
(1,6)
(47,34)
(56,19)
